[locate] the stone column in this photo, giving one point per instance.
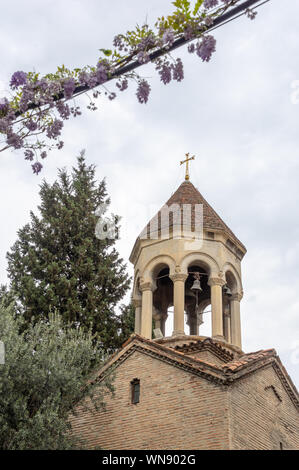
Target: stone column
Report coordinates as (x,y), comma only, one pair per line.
(178,280)
(236,320)
(193,325)
(216,303)
(227,326)
(137,304)
(146,309)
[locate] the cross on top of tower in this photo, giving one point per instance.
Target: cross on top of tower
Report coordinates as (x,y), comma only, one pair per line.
(187,165)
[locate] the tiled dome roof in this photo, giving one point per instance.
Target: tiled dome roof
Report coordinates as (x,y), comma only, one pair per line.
(188,194)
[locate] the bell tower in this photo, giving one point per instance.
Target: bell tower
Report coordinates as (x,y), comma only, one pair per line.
(188,258)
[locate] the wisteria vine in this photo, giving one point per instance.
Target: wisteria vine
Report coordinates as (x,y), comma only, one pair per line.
(32,119)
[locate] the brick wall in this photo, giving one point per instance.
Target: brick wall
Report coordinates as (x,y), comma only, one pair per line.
(207,356)
(177,410)
(262,417)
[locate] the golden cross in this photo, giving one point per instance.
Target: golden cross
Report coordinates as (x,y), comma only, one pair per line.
(187,164)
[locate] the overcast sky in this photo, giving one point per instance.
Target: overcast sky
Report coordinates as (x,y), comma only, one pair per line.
(234,113)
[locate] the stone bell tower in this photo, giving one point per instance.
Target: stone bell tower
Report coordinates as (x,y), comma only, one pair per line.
(184,390)
(185,242)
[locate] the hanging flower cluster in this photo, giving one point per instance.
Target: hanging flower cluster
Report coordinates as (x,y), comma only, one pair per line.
(33,119)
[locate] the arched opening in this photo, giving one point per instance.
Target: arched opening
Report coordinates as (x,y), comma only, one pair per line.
(197,296)
(228,290)
(231,282)
(162,297)
(205,329)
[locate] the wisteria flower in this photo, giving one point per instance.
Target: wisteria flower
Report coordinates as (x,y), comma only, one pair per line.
(69,87)
(36,167)
(206,47)
(18,78)
(210,3)
(143,91)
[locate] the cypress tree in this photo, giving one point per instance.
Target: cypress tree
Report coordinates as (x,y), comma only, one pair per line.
(58,263)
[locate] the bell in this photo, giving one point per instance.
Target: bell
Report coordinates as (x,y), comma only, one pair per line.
(196,285)
(227,291)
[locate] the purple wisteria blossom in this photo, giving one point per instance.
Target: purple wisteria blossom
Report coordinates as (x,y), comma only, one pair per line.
(69,88)
(83,77)
(63,109)
(15,140)
(31,125)
(3,104)
(54,130)
(118,42)
(36,167)
(92,80)
(4,126)
(210,3)
(143,57)
(178,70)
(143,91)
(147,42)
(122,84)
(40,106)
(208,21)
(168,37)
(165,72)
(60,145)
(75,111)
(29,155)
(250,13)
(18,78)
(206,47)
(101,72)
(189,33)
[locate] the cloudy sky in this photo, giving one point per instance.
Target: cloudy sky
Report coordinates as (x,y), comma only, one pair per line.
(236,114)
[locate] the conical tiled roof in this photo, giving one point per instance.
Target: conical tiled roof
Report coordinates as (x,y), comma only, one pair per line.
(188,194)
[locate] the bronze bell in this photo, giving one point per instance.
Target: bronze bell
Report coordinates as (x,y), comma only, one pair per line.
(227,291)
(196,285)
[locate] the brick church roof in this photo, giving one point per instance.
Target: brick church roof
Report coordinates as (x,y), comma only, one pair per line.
(233,366)
(188,194)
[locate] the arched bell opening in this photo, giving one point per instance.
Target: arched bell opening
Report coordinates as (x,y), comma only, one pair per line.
(206,326)
(197,296)
(228,290)
(162,297)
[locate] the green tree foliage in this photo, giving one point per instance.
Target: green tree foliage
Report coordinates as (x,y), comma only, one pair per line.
(47,371)
(127,323)
(58,262)
(6,295)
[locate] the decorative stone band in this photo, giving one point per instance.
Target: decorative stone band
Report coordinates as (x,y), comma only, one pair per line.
(146,286)
(216,281)
(237,297)
(137,302)
(178,277)
(159,316)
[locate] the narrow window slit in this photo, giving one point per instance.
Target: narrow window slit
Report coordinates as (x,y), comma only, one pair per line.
(135,391)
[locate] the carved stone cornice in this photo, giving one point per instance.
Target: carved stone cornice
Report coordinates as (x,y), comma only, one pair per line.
(178,277)
(237,296)
(216,281)
(146,286)
(137,303)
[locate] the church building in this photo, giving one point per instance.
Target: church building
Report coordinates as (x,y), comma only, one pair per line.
(180,390)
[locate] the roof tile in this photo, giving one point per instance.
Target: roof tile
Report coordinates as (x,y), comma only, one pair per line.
(188,194)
